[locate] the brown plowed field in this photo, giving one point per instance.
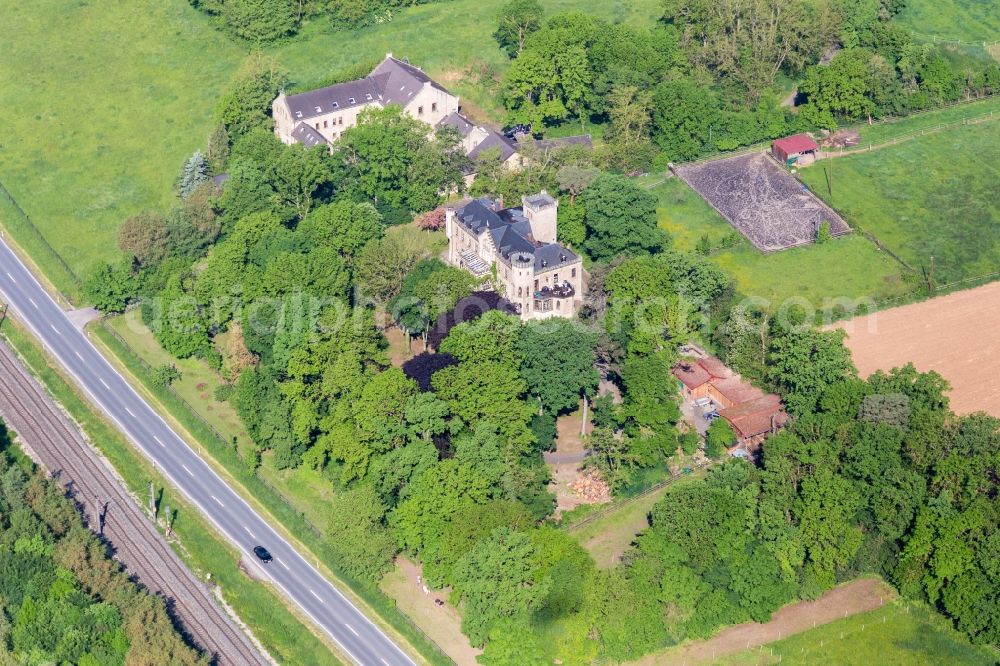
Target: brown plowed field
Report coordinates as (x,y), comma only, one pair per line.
(957,335)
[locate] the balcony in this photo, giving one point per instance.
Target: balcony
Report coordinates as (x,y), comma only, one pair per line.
(565,290)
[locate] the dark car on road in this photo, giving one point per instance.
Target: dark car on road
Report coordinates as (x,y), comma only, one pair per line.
(262,554)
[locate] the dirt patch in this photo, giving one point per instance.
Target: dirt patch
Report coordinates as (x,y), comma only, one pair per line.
(943,334)
(568,437)
(850,599)
(763,202)
(443,624)
(398,353)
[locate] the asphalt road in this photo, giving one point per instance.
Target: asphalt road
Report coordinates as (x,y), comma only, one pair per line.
(356,635)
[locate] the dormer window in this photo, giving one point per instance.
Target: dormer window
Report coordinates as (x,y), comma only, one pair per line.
(351,100)
(319,109)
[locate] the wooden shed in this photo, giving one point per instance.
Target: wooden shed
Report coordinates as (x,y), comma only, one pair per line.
(792,148)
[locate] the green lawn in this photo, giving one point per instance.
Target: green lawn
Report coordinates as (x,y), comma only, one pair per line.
(934,196)
(451,40)
(964,20)
(100,103)
(889,636)
(848,267)
(890,129)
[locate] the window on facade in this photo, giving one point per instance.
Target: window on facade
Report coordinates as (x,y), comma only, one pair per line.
(519,292)
(557,305)
(572,273)
(434,106)
(340,121)
(555,279)
(317,125)
(420,110)
(325,124)
(536,285)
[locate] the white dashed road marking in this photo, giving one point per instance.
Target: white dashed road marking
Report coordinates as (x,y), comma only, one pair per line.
(186,469)
(313,592)
(157,440)
(282,564)
(53,327)
(11,278)
(104,383)
(217,500)
(351,629)
(32,301)
(252,535)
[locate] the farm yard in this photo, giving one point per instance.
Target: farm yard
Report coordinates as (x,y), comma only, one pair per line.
(933,196)
(762,201)
(944,334)
(850,266)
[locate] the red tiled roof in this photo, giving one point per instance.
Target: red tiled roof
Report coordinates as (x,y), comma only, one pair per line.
(798,143)
(715,367)
(755,417)
(736,390)
(691,374)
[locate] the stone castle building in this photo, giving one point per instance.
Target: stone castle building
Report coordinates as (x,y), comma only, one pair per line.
(541,277)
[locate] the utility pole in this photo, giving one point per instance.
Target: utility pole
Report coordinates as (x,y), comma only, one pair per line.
(3,314)
(152,499)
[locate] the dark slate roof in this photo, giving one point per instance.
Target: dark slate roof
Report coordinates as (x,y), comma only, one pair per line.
(459,122)
(511,232)
(332,98)
(563,142)
(540,199)
(552,255)
(494,140)
(306,135)
(393,81)
(399,81)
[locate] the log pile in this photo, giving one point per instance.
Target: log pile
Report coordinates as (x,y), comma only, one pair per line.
(591,488)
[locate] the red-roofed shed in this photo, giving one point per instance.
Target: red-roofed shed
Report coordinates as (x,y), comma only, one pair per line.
(792,147)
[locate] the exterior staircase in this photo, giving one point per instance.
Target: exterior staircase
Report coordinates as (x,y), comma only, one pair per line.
(474,263)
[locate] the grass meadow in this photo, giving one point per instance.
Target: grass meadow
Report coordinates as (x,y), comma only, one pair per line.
(452,41)
(100,103)
(900,634)
(933,196)
(962,20)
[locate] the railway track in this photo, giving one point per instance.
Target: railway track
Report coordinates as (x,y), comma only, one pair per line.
(134,541)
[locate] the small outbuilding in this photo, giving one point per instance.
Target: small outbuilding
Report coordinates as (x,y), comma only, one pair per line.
(795,149)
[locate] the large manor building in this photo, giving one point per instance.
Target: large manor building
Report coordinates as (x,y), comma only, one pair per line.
(541,277)
(321,116)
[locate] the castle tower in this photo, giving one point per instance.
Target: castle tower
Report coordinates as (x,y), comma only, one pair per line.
(521,288)
(541,211)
